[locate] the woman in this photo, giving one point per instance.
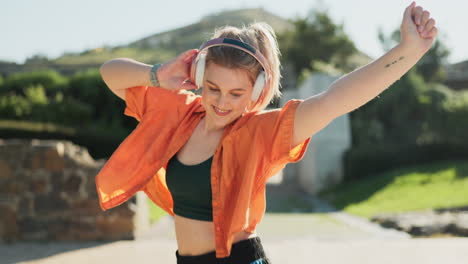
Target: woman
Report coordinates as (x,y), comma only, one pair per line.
(206,159)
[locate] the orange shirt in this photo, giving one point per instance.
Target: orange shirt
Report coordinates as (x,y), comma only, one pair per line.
(253,148)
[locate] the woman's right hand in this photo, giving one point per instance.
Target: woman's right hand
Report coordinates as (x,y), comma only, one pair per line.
(174,75)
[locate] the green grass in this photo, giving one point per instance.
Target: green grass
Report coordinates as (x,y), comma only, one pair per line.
(155,211)
(437,185)
(36,126)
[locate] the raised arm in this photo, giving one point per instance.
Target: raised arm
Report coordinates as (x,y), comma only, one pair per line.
(122,73)
(362,85)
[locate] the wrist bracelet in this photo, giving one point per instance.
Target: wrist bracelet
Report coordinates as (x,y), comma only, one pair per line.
(153,77)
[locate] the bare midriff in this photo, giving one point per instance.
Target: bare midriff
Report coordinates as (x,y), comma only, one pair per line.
(196,237)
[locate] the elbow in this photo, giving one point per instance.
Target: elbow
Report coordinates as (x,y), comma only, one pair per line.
(102,71)
(106,72)
(105,66)
(112,72)
(109,65)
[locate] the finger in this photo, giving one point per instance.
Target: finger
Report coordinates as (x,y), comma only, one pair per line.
(189,58)
(183,56)
(424,18)
(408,11)
(430,24)
(188,86)
(432,33)
(417,12)
(187,67)
(193,52)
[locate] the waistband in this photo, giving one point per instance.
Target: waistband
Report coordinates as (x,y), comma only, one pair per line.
(244,251)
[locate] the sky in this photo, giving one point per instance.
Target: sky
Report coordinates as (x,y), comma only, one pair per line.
(53,27)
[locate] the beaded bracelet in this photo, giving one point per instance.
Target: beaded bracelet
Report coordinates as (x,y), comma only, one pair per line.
(153,77)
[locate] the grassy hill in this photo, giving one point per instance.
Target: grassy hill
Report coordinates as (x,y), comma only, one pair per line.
(426,186)
(193,35)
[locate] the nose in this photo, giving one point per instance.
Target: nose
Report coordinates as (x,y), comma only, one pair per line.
(222,101)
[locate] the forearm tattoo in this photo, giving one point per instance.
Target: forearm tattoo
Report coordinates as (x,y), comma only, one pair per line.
(390,64)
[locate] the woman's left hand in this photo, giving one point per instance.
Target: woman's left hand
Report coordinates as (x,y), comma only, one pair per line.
(417,29)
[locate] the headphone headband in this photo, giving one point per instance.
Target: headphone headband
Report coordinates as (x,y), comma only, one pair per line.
(239,45)
(263,79)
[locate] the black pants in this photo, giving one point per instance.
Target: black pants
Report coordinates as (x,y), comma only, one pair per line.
(249,251)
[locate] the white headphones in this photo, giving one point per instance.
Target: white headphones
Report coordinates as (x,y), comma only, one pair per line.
(197,70)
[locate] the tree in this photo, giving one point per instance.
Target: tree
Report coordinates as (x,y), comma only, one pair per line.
(411,110)
(37,59)
(315,38)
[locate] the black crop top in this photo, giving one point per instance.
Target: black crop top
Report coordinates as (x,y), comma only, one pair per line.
(190,186)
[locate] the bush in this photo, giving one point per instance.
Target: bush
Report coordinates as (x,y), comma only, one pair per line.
(101,142)
(35,106)
(395,114)
(49,79)
(88,86)
(411,124)
(371,159)
(46,96)
(68,111)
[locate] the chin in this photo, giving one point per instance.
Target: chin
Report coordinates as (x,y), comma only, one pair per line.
(224,120)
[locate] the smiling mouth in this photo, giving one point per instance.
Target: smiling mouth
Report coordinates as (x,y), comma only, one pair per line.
(221,112)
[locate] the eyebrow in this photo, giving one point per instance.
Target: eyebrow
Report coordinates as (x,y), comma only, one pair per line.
(240,89)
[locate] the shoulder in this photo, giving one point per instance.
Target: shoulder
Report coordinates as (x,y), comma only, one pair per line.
(181,100)
(141,100)
(270,117)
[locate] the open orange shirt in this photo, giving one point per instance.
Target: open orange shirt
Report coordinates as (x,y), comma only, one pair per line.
(253,148)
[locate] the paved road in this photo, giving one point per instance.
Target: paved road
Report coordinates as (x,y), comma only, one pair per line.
(288,238)
(316,233)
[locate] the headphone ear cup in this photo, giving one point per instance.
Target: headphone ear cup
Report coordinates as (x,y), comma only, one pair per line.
(200,70)
(258,86)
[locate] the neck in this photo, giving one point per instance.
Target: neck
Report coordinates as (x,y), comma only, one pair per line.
(209,128)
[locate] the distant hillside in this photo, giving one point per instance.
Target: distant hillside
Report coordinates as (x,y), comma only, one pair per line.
(192,36)
(165,45)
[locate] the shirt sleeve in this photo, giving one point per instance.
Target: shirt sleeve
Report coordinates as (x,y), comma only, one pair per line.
(141,100)
(276,128)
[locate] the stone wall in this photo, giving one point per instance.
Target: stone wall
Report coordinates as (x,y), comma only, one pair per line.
(48,192)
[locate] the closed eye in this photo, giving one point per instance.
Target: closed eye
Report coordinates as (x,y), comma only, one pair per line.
(217,90)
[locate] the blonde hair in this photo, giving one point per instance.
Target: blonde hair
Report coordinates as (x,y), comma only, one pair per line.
(261,36)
